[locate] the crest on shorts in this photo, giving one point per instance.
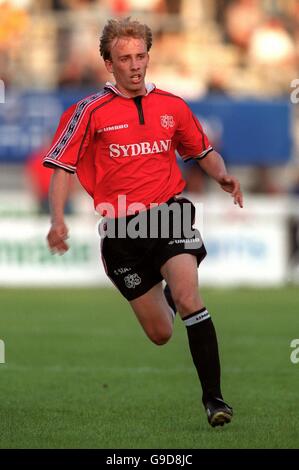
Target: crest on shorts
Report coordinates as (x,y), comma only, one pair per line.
(132,280)
(167,121)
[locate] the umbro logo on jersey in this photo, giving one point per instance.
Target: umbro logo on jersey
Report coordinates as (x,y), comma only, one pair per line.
(167,121)
(113,128)
(143,148)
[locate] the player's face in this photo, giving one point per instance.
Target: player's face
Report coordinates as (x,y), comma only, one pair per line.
(129,60)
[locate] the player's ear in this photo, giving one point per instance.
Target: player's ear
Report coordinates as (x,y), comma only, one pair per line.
(109,66)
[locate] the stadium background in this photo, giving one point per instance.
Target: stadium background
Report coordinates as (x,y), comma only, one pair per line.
(78,371)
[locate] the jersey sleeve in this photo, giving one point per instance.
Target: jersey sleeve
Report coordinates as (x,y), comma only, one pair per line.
(70,140)
(192,141)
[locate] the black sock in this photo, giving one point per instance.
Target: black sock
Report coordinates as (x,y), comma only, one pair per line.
(204,350)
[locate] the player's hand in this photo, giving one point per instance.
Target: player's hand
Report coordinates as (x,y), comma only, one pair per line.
(231,185)
(57,235)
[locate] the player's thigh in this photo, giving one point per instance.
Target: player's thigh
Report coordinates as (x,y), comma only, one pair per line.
(154,315)
(181,274)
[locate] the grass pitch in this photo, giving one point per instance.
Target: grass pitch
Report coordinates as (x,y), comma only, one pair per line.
(80,373)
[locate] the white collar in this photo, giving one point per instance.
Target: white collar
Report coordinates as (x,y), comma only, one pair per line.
(109,86)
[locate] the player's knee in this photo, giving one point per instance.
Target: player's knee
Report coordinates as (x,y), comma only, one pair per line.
(186,301)
(161,336)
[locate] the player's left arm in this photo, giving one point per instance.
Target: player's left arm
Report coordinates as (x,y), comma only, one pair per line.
(213,164)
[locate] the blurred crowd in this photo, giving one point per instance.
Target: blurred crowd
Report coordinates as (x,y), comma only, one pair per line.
(201,47)
(221,46)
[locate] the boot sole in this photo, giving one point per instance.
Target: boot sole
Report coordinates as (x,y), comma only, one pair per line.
(220,418)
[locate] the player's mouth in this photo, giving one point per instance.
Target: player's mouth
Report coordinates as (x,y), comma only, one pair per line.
(136,78)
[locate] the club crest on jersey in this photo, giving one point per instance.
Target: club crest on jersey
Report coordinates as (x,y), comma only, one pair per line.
(167,121)
(132,280)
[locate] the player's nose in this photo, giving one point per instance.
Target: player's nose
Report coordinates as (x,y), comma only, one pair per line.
(134,64)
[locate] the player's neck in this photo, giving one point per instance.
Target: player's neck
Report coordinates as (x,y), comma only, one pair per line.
(131,93)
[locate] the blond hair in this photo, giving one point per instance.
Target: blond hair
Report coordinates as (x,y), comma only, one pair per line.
(124,27)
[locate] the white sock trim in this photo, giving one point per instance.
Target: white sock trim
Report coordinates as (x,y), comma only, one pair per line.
(197,318)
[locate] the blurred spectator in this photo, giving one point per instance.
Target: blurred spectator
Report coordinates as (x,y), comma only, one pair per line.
(172,71)
(13,23)
(295,187)
(79,74)
(59,5)
(272,53)
(73,4)
(179,81)
(241,19)
(81,64)
(264,181)
(217,83)
(173,7)
(119,7)
(293,23)
(220,7)
(271,44)
(132,7)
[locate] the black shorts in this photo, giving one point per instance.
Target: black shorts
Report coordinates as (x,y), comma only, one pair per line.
(133,264)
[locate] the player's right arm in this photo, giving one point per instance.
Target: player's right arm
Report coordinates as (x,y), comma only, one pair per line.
(58,195)
(69,143)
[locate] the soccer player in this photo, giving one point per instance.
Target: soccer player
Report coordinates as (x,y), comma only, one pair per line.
(122,141)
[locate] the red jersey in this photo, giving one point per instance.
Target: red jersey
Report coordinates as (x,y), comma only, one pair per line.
(127,146)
